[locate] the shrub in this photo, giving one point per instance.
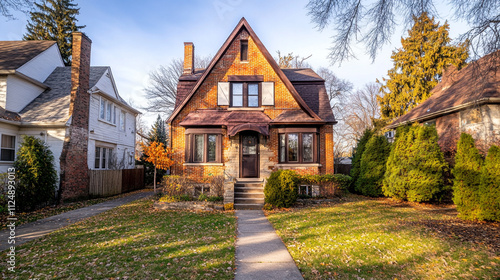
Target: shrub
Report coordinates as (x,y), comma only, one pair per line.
(268,207)
(373,166)
(467,173)
(490,186)
(214,198)
(415,168)
(36,174)
(202,197)
(356,157)
(174,185)
(329,184)
(217,185)
(177,198)
(229,206)
(281,188)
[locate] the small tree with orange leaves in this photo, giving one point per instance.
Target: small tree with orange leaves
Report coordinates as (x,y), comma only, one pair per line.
(158,155)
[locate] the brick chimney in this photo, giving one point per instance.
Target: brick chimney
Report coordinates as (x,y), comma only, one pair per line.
(188,58)
(73,160)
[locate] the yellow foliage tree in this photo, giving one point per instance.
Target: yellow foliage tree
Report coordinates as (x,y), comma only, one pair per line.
(159,156)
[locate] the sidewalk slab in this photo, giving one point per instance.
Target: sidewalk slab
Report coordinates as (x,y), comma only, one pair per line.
(37,229)
(260,253)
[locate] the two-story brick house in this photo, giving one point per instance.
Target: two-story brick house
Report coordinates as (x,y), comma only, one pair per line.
(243,117)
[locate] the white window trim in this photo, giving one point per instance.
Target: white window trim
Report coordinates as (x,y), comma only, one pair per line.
(108,157)
(123,115)
(113,111)
(15,141)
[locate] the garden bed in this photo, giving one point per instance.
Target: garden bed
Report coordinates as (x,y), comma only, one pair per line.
(189,205)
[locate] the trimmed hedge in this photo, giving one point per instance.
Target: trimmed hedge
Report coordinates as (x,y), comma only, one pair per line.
(356,157)
(281,188)
(341,181)
(489,187)
(467,172)
(373,166)
(415,168)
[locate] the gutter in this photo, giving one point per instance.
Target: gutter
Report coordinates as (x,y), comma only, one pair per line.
(482,101)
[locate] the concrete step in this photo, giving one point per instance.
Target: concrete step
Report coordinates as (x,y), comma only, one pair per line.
(248,195)
(248,206)
(240,200)
(248,185)
(249,190)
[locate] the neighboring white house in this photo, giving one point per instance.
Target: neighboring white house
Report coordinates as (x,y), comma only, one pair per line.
(35,99)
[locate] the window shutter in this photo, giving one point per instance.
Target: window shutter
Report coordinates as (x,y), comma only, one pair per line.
(223,93)
(268,93)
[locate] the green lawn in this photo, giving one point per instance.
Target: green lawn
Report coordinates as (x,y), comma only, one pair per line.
(372,239)
(133,241)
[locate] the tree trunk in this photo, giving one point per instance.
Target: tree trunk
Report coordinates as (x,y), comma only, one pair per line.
(154,183)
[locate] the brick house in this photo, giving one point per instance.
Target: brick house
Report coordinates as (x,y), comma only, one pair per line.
(76,110)
(467,100)
(243,117)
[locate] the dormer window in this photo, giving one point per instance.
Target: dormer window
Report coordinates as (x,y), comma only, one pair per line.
(244,50)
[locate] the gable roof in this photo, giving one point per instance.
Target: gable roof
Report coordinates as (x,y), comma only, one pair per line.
(14,54)
(478,82)
(244,24)
(53,104)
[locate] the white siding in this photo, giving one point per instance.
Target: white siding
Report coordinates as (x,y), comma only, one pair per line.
(41,66)
(9,130)
(106,85)
(105,134)
(3,90)
(20,93)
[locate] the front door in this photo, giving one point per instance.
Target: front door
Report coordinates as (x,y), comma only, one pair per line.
(249,155)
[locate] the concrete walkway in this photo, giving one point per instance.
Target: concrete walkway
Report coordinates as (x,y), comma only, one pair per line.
(260,253)
(30,231)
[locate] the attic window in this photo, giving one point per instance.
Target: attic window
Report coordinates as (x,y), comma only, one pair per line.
(244,50)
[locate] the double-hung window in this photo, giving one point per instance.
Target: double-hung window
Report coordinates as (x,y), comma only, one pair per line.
(102,157)
(8,148)
(245,94)
(298,147)
(107,111)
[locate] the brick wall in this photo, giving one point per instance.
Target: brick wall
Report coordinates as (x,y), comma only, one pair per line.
(74,169)
(206,98)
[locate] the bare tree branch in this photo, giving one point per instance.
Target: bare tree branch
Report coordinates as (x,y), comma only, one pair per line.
(6,6)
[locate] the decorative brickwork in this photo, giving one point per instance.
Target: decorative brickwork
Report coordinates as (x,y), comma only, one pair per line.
(74,169)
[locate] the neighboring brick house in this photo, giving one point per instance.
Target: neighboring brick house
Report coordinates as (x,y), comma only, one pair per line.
(76,110)
(243,117)
(467,100)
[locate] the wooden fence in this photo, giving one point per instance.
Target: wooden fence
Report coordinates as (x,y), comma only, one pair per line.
(113,182)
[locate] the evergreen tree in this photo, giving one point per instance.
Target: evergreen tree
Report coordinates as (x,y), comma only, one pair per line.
(36,174)
(372,167)
(54,20)
(416,165)
(467,173)
(356,158)
(418,66)
(490,186)
(158,132)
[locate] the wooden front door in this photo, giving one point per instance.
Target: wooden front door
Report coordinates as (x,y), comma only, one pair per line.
(249,155)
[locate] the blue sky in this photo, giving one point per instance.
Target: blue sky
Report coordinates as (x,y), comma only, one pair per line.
(135,37)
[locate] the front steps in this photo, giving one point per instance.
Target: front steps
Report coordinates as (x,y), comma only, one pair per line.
(248,195)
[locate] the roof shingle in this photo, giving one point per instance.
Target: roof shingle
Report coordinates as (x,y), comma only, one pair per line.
(14,54)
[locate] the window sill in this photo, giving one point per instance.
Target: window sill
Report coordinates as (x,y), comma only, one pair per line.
(203,164)
(245,109)
(299,165)
(106,122)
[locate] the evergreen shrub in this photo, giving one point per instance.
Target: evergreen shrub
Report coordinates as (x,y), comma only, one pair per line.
(490,186)
(35,173)
(373,166)
(467,177)
(281,188)
(356,157)
(416,167)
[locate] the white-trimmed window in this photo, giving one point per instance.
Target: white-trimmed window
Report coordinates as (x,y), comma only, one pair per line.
(8,148)
(107,111)
(122,120)
(102,157)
